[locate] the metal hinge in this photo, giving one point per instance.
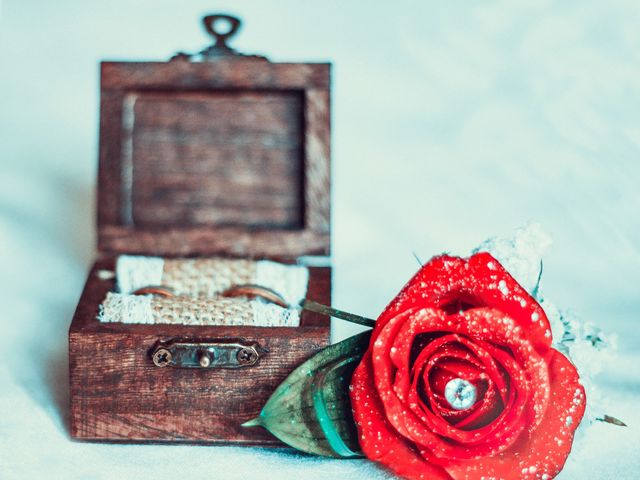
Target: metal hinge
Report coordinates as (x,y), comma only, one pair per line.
(207,354)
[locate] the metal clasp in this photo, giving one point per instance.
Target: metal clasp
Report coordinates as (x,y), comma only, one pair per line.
(208,354)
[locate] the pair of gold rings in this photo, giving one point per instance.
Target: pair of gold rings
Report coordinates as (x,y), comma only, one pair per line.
(244,290)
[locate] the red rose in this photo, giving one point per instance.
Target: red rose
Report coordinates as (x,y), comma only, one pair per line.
(460,380)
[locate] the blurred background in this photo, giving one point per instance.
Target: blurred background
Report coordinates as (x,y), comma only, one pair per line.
(452,122)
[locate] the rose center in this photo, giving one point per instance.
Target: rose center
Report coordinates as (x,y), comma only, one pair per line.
(461,394)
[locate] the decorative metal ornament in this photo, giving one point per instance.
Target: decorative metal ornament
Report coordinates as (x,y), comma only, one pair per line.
(221,27)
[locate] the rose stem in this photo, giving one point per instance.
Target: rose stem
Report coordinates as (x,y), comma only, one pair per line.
(334,312)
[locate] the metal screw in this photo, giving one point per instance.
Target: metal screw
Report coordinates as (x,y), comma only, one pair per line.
(162,357)
(205,359)
(247,356)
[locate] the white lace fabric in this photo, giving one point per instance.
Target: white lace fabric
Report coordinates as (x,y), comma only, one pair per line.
(147,309)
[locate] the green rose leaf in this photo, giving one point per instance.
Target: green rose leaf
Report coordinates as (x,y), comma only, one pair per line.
(311,409)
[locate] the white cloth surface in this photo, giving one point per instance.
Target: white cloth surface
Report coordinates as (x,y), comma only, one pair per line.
(451,123)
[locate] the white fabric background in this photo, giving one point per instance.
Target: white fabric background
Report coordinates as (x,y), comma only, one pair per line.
(453,122)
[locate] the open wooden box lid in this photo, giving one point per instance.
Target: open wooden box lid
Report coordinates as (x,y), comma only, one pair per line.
(228,155)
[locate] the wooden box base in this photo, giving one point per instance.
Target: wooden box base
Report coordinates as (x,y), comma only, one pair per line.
(118,394)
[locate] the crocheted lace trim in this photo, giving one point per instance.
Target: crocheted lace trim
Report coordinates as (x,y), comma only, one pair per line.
(123,308)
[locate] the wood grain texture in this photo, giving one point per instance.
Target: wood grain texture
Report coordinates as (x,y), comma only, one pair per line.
(238,242)
(229,157)
(223,74)
(317,150)
(117,394)
(218,158)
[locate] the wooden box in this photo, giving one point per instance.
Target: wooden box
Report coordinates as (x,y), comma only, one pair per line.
(227,156)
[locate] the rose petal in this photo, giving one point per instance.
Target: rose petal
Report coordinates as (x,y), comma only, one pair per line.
(436,416)
(439,420)
(545,450)
(378,439)
(480,280)
(401,418)
(493,327)
(449,362)
(494,436)
(502,292)
(489,409)
(419,428)
(400,357)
